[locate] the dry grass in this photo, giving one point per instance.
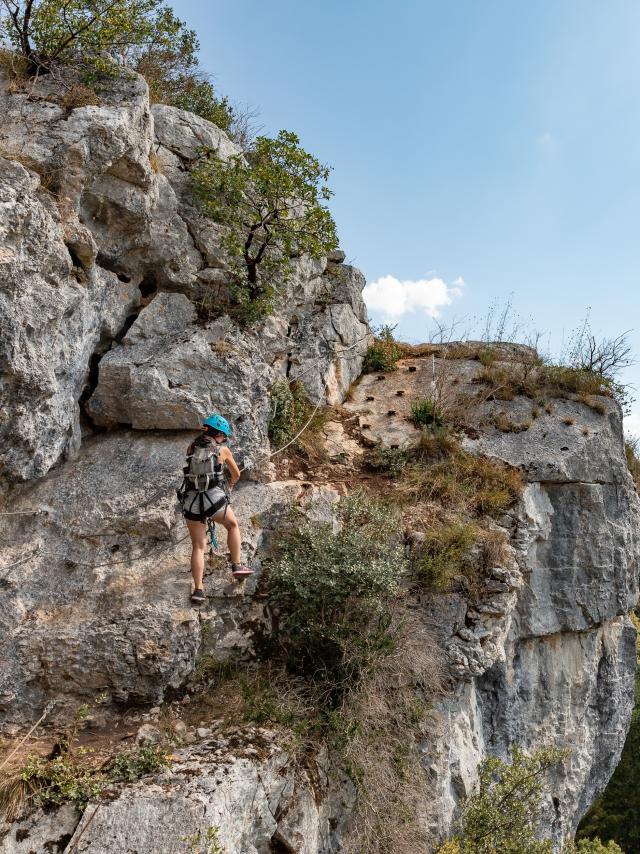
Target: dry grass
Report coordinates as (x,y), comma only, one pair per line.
(463,482)
(391,711)
(80,96)
(510,380)
(14,65)
(154,162)
(48,176)
(443,552)
(594,403)
(15,792)
(568,422)
(502,422)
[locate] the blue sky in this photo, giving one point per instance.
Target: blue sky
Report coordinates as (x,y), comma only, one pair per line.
(490,146)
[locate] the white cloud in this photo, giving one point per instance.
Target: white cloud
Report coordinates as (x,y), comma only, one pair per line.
(392,298)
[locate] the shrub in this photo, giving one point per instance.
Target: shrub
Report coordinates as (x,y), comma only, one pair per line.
(383,353)
(131,764)
(328,590)
(390,461)
(174,78)
(425,413)
(97,35)
(52,782)
(270,205)
(504,813)
(441,555)
(594,846)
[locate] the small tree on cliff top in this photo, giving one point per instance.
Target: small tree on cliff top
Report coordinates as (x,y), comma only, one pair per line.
(101,36)
(95,33)
(270,204)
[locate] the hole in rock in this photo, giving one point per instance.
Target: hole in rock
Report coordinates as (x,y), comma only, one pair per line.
(75,260)
(149,285)
(107,263)
(277,846)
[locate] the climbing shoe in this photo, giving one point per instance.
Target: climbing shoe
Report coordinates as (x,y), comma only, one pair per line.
(197,597)
(239,570)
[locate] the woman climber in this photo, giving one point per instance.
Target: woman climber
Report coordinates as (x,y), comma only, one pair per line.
(204,496)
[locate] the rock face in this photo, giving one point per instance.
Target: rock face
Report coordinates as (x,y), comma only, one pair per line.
(98,217)
(106,372)
(547,656)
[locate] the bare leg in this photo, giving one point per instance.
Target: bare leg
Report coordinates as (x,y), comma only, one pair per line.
(229,521)
(198,532)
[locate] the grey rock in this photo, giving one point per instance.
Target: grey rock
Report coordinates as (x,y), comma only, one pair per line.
(148,734)
(165,314)
(40,831)
(230,800)
(54,316)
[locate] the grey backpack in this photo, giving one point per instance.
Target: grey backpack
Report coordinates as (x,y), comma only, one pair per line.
(204,489)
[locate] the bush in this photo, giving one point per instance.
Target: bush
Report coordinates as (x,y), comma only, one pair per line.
(328,590)
(441,555)
(390,461)
(52,782)
(384,353)
(132,764)
(425,413)
(174,78)
(504,813)
(594,846)
(98,36)
(270,205)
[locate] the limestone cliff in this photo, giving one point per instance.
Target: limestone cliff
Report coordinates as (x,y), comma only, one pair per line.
(106,371)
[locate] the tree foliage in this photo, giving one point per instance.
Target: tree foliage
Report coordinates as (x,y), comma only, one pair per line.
(270,204)
(330,590)
(103,36)
(503,815)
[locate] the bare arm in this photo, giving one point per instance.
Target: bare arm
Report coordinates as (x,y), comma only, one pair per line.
(233,467)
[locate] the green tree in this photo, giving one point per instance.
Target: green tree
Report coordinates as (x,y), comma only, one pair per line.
(505,811)
(102,36)
(94,33)
(270,203)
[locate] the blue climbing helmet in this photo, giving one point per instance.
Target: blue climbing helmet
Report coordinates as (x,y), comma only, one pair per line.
(217,422)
